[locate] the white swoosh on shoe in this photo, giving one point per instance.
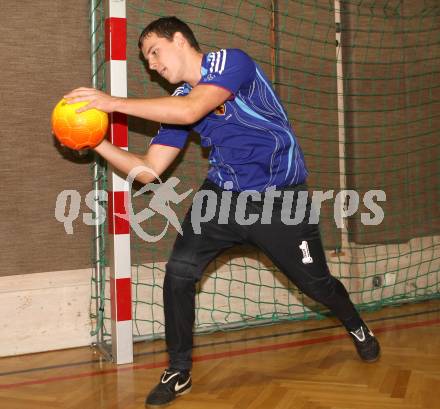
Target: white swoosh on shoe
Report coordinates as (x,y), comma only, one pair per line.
(166,380)
(179,387)
(360,337)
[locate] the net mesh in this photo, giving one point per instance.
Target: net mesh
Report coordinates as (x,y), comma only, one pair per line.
(366,108)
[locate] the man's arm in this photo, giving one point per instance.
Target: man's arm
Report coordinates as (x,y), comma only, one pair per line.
(157,158)
(168,110)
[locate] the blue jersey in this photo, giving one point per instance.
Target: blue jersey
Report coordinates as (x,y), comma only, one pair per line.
(253,146)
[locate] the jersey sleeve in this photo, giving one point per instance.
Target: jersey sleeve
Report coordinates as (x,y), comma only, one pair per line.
(171,135)
(229,68)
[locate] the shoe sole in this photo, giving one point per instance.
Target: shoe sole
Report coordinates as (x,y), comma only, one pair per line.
(184,392)
(371,361)
(149,405)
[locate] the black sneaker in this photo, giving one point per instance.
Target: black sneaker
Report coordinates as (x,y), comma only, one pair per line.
(172,384)
(366,344)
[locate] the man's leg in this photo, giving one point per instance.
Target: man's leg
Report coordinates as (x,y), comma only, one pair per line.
(190,256)
(298,252)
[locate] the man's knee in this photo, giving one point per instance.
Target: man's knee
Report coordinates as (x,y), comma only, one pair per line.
(179,282)
(181,270)
(324,289)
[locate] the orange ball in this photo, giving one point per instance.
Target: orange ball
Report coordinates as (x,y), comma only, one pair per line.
(78,131)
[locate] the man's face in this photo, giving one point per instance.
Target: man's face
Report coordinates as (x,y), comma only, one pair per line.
(163,56)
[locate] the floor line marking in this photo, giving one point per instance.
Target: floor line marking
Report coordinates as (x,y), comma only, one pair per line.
(219,343)
(220,355)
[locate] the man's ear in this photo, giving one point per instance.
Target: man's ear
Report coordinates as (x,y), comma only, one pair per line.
(179,38)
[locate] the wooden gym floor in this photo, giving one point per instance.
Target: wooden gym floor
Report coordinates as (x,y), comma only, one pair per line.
(301,365)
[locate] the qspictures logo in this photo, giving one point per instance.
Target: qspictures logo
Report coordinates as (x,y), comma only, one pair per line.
(206,204)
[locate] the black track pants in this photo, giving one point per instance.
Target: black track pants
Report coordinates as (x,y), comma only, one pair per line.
(295,249)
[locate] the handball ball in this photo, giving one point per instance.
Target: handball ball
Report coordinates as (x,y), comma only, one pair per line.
(78,131)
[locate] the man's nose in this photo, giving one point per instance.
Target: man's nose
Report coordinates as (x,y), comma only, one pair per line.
(152,65)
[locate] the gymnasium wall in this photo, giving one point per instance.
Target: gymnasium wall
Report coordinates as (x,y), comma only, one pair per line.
(44,52)
(392,85)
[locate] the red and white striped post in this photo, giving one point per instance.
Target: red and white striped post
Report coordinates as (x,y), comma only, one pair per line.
(118,189)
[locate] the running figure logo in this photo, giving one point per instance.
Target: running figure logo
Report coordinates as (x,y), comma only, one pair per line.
(164,193)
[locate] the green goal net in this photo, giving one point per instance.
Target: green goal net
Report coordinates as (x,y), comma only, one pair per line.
(360,80)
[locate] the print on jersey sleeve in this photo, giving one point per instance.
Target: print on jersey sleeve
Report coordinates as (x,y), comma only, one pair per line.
(228,68)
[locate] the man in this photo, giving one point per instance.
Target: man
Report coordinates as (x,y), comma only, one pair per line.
(228,100)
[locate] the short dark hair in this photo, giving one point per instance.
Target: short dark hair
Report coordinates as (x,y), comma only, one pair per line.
(167,27)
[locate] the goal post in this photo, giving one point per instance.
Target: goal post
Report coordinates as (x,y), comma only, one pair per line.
(361,85)
(114,27)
